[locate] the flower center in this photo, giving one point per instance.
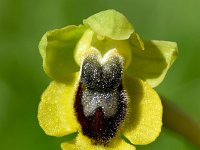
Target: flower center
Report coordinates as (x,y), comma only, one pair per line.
(101,100)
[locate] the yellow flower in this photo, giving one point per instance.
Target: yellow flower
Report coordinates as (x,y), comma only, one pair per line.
(103,77)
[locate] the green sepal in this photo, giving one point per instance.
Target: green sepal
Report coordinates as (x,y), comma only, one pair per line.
(110,23)
(57,50)
(136,41)
(153,62)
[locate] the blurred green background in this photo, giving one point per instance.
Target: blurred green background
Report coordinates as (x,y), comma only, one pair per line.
(22,80)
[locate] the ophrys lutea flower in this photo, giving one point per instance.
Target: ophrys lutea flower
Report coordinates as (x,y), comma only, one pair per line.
(103,77)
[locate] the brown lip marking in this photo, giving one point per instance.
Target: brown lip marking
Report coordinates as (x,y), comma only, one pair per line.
(98,128)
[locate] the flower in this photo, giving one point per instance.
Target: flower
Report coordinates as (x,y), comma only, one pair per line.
(104,75)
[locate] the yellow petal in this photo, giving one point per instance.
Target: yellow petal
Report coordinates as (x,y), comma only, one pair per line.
(57,50)
(152,64)
(84,143)
(56,113)
(144,119)
(136,41)
(91,44)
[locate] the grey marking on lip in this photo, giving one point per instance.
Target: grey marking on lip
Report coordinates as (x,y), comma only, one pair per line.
(92,100)
(100,83)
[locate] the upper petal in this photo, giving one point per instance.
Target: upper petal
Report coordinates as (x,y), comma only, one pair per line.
(57,50)
(56,112)
(144,118)
(91,44)
(84,143)
(153,62)
(110,23)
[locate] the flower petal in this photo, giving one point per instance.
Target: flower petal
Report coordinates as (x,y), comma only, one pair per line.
(110,23)
(57,50)
(56,113)
(84,47)
(144,118)
(91,44)
(152,64)
(84,143)
(136,41)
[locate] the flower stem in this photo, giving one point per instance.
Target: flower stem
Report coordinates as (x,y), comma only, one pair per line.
(180,122)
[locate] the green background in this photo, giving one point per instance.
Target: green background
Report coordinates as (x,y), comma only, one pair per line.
(22,80)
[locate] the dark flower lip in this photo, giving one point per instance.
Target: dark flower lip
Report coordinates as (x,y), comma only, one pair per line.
(97,126)
(100,101)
